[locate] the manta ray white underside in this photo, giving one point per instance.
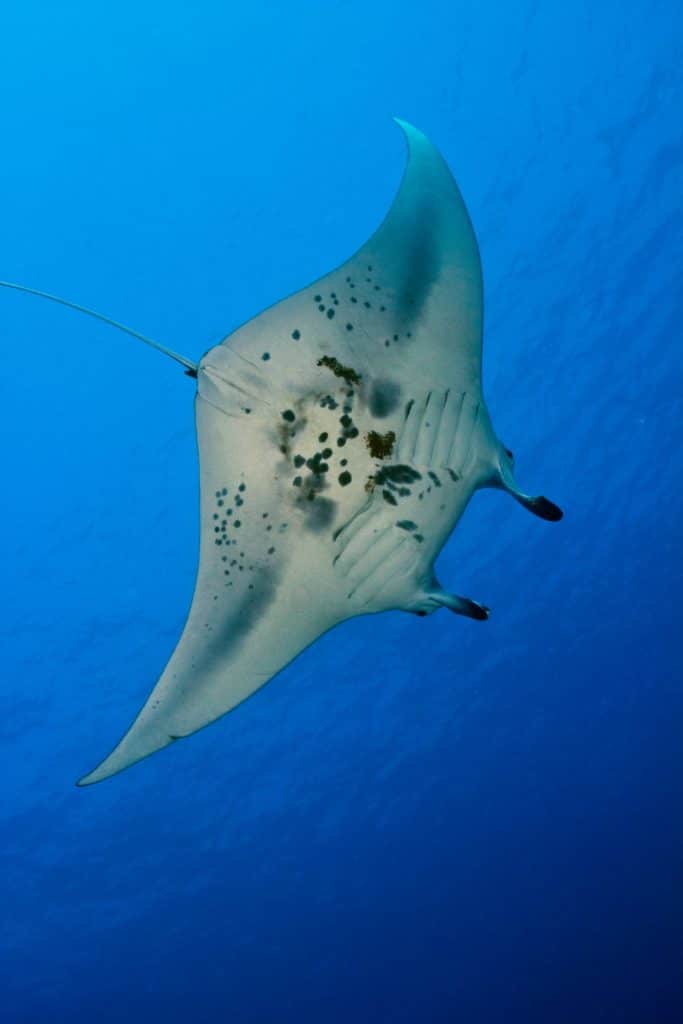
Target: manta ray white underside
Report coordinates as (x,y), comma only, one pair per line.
(341,434)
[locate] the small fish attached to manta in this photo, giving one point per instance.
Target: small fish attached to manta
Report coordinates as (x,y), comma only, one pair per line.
(341,434)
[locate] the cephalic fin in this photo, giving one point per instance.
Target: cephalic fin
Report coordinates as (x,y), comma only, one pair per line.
(191,368)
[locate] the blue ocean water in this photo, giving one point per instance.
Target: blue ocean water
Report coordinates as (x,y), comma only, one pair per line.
(420,819)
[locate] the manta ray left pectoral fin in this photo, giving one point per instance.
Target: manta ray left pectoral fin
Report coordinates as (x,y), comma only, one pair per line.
(260,597)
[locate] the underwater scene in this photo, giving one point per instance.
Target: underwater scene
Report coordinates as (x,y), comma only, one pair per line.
(341,407)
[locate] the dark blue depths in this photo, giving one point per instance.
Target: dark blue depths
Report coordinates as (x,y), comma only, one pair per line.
(420,819)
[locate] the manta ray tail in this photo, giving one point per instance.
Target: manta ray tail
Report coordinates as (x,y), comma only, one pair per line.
(190,367)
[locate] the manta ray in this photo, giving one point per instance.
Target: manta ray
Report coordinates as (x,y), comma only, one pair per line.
(341,434)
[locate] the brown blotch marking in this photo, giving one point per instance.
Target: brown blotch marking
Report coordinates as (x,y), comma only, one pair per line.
(339,370)
(379,445)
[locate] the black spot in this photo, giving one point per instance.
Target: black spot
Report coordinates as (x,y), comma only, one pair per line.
(434,477)
(317,298)
(299,460)
(289,415)
(242,487)
(322,437)
(398,475)
(265,357)
(388,497)
(349,327)
(237,523)
(320,515)
(296,482)
(327,452)
(330,314)
(384,397)
(344,478)
(406,524)
(296,335)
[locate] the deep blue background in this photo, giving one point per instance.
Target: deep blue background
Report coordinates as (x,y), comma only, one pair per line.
(420,819)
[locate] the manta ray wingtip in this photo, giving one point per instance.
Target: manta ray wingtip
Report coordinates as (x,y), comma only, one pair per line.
(408,129)
(90,778)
